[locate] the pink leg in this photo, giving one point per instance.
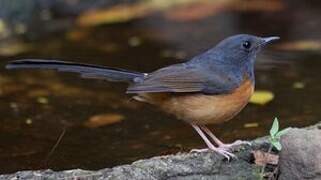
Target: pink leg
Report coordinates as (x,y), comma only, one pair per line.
(220,143)
(210,146)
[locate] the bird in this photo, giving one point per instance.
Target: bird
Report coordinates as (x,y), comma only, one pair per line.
(210,88)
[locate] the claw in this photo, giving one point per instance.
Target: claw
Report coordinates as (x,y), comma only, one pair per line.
(240,142)
(221,151)
(199,150)
(224,151)
(228,147)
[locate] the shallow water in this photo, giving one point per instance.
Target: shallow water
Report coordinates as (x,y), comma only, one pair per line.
(40,107)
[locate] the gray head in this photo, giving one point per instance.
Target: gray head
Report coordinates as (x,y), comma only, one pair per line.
(242,48)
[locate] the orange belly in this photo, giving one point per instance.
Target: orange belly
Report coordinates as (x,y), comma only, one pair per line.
(202,109)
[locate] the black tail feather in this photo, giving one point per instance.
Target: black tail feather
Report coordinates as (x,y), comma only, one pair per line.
(85,70)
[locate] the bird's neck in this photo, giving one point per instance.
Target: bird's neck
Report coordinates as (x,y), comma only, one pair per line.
(248,70)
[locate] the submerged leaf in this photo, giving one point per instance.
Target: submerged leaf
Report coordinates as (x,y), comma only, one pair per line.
(42,100)
(103,120)
(29,121)
(312,45)
(77,35)
(134,41)
(251,125)
(205,8)
(127,12)
(181,10)
(261,97)
(4,31)
(120,13)
(298,85)
(14,48)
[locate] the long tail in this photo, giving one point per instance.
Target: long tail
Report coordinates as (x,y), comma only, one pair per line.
(85,70)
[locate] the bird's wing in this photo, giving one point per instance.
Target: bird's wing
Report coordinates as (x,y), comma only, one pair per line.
(186,78)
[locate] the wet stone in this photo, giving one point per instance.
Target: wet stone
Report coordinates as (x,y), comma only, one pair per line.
(300,157)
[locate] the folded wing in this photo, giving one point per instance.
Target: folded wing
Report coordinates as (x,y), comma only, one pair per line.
(185,78)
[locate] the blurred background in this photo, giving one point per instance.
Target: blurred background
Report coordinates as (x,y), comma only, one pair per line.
(59,121)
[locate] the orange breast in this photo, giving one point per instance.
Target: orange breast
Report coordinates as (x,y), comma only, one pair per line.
(200,108)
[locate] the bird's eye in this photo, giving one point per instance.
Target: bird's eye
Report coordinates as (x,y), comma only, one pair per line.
(246,44)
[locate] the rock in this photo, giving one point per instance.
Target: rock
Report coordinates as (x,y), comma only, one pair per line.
(300,157)
(180,166)
(187,166)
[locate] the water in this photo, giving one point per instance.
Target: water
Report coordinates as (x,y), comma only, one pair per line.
(39,107)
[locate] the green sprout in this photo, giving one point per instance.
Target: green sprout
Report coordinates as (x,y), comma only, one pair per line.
(275,134)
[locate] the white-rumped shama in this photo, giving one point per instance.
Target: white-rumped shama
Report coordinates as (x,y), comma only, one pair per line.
(210,88)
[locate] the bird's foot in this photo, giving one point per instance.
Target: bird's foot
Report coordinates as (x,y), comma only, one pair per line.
(228,147)
(228,155)
(199,150)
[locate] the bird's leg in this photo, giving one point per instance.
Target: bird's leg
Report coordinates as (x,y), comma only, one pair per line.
(220,143)
(210,146)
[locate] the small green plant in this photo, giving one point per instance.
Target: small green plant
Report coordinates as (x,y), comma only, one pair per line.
(275,134)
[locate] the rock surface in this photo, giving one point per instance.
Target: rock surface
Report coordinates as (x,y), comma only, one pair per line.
(180,166)
(300,157)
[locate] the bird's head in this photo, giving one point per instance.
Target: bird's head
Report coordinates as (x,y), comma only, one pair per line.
(242,48)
